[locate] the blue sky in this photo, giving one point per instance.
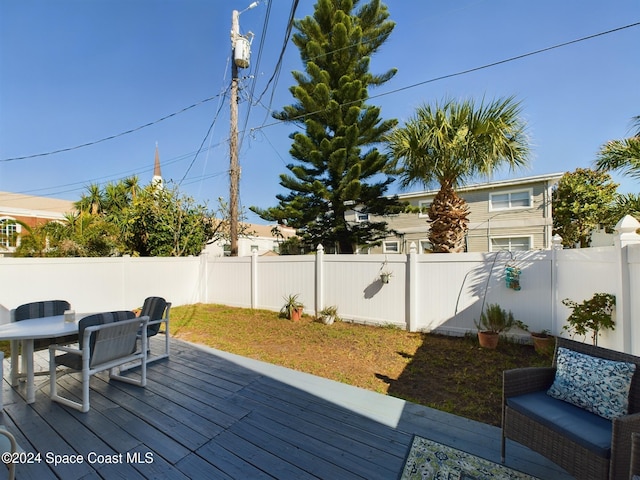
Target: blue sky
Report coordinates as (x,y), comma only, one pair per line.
(77,71)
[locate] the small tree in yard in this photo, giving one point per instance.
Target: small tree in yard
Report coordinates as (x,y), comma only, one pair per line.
(592,315)
(581,202)
(160,222)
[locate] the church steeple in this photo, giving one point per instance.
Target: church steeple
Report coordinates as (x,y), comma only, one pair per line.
(157,175)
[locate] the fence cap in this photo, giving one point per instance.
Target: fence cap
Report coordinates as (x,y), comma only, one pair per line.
(627,224)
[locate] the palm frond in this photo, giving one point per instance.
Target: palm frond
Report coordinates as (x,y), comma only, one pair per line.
(620,155)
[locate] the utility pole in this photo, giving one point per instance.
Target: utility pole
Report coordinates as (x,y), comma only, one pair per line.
(234,167)
(240,54)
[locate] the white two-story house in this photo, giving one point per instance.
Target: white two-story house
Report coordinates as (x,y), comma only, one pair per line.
(503,215)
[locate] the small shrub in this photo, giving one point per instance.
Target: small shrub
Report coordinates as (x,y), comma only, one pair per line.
(592,315)
(495,319)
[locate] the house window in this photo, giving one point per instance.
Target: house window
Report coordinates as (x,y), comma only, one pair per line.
(9,231)
(391,246)
(424,206)
(510,200)
(511,244)
(426,246)
(362,217)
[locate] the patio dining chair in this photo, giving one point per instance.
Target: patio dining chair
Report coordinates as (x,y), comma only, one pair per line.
(107,341)
(8,444)
(40,309)
(157,309)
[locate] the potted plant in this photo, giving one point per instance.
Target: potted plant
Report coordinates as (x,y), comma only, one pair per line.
(595,315)
(292,309)
(328,315)
(543,341)
(493,321)
(385,273)
(385,276)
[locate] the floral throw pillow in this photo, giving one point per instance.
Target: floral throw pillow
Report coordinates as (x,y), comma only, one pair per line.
(595,384)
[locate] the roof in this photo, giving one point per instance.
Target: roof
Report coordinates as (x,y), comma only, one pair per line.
(514,182)
(265,230)
(33,206)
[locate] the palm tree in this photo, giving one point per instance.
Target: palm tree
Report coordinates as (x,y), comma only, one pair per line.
(625,204)
(622,155)
(115,198)
(92,201)
(132,184)
(450,143)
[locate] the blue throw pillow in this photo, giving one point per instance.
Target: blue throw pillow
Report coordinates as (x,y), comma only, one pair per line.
(595,384)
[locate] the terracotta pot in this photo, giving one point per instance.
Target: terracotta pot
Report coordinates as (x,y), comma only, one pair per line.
(296,314)
(488,339)
(543,344)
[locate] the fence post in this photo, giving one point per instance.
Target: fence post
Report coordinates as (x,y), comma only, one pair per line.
(254,279)
(204,278)
(556,242)
(319,287)
(625,235)
(412,288)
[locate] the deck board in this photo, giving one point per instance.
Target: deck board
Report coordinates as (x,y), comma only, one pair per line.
(211,414)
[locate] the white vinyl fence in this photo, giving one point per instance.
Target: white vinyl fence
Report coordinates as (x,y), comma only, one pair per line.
(438,293)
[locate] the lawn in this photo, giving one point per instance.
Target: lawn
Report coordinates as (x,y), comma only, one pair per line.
(448,373)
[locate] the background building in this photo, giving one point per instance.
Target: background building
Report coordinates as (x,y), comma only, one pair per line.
(503,215)
(261,238)
(30,210)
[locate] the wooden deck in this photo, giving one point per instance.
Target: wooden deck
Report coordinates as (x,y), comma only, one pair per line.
(210,414)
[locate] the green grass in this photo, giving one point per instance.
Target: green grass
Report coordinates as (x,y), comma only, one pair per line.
(448,373)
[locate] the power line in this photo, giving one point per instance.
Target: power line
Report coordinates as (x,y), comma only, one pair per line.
(215,119)
(255,69)
(278,67)
(75,186)
(511,59)
(111,137)
(414,85)
(465,72)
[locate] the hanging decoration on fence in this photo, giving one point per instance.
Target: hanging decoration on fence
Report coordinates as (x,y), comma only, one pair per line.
(512,277)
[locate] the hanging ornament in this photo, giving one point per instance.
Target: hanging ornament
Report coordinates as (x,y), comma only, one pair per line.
(512,277)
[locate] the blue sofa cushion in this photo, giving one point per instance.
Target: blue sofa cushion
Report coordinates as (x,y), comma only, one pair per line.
(584,428)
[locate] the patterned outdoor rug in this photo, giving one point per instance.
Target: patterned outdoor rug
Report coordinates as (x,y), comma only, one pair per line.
(429,460)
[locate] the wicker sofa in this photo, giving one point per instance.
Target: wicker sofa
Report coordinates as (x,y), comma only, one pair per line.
(587,445)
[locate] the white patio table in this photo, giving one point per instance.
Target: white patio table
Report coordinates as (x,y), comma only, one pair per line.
(27,331)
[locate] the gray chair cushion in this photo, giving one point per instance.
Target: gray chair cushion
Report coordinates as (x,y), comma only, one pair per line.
(75,361)
(45,308)
(153,308)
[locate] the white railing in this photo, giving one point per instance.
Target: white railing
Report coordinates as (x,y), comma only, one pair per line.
(441,293)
